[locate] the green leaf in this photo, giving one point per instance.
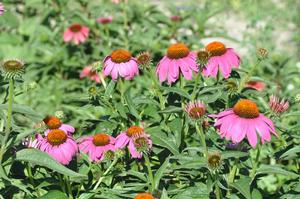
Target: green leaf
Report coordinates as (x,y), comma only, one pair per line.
(110,88)
(243,186)
(54,194)
(256,194)
(193,193)
(171,109)
(176,90)
(164,194)
(130,104)
(160,172)
(275,169)
(165,142)
(292,153)
(43,159)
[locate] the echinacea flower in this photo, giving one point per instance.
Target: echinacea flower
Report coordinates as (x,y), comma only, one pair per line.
(59,145)
(76,33)
(136,139)
(178,57)
(214,160)
(120,63)
(144,59)
(12,68)
(278,106)
(91,73)
(195,110)
(1,9)
(244,120)
(96,146)
(53,122)
(144,196)
(221,58)
(104,20)
(257,85)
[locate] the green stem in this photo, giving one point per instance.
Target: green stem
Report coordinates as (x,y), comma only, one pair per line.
(247,77)
(199,130)
(29,171)
(150,174)
(9,118)
(255,164)
(69,187)
(102,81)
(61,181)
(195,87)
(105,173)
(157,90)
(233,172)
(218,192)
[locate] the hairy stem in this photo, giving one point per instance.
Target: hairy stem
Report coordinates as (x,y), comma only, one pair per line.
(105,173)
(9,118)
(199,130)
(150,174)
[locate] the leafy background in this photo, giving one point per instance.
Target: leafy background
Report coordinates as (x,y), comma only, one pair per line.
(32,30)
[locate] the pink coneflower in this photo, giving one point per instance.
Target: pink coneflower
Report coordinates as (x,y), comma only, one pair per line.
(178,56)
(195,109)
(257,85)
(120,63)
(91,73)
(59,145)
(104,20)
(136,139)
(220,58)
(53,122)
(76,33)
(96,146)
(1,9)
(244,119)
(278,106)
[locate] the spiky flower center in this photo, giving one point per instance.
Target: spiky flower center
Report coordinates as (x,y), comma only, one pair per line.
(56,137)
(119,56)
(13,65)
(52,122)
(75,27)
(196,112)
(214,160)
(144,58)
(100,139)
(144,196)
(246,109)
(135,131)
(216,48)
(141,143)
(203,55)
(177,51)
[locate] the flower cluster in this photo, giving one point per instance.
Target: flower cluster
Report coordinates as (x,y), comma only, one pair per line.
(59,143)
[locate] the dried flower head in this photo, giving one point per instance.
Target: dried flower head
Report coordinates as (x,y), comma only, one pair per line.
(12,68)
(214,160)
(231,86)
(144,60)
(278,106)
(203,57)
(262,53)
